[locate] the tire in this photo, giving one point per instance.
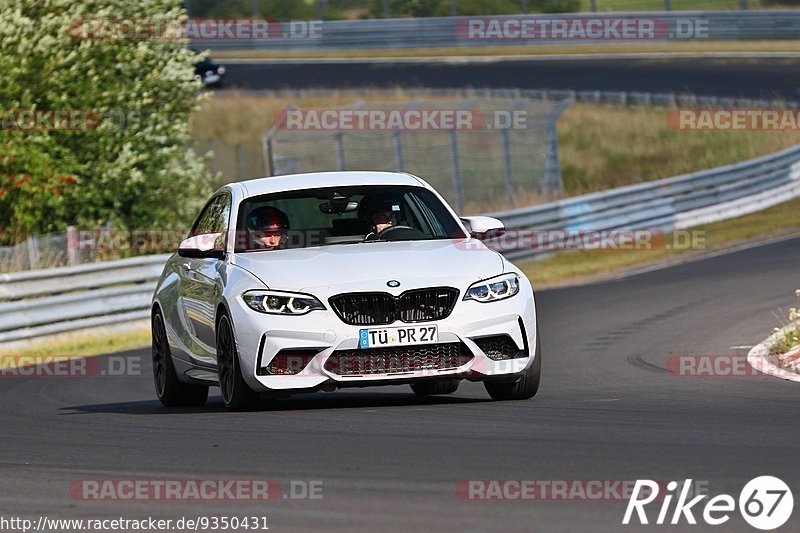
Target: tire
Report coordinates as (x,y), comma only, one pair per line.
(523,389)
(432,388)
(170,391)
(236,394)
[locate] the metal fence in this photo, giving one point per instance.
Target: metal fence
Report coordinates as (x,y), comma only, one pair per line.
(45,302)
(38,251)
(454,31)
(504,154)
(667,100)
(80,247)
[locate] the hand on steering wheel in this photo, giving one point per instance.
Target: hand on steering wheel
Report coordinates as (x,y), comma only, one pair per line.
(386,231)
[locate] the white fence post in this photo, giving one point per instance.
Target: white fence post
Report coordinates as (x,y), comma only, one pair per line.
(73,245)
(33,251)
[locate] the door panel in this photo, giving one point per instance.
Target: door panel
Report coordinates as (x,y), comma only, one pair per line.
(200,284)
(199,294)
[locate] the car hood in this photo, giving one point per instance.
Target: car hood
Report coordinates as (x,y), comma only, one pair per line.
(368,266)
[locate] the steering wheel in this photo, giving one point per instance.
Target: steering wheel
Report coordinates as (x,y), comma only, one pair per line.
(400,233)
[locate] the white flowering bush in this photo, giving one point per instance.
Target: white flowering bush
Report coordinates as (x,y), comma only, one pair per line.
(794,314)
(791,334)
(128,166)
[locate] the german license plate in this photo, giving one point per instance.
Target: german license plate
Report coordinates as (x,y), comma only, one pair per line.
(408,335)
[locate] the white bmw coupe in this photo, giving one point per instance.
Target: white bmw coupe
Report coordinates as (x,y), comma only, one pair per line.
(321,281)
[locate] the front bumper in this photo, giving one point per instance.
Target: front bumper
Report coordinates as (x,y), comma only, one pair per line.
(260,337)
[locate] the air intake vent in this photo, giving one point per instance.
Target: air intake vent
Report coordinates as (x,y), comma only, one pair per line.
(398,359)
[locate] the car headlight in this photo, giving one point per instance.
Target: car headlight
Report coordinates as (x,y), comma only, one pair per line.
(493,289)
(220,70)
(281,303)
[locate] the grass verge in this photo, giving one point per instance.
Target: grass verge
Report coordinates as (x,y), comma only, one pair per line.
(602,147)
(80,345)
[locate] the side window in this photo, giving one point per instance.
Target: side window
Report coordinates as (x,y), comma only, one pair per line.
(214,217)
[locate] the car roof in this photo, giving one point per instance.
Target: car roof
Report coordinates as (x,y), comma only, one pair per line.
(314,180)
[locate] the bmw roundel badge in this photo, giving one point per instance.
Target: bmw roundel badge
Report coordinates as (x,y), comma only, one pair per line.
(393,283)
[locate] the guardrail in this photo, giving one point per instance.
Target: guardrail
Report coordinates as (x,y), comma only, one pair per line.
(669,100)
(455,31)
(39,303)
(45,302)
(666,205)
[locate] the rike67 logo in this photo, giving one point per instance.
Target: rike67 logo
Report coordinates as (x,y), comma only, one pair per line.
(765,503)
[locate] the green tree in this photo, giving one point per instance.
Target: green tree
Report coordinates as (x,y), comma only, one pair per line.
(128,166)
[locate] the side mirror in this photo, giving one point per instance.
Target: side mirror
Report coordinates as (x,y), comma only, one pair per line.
(209,245)
(484,227)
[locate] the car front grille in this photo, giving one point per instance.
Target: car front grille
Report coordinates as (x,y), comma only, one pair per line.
(380,308)
(500,347)
(398,359)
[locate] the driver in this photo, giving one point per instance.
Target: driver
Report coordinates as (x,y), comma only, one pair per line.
(268,227)
(382,218)
(381,214)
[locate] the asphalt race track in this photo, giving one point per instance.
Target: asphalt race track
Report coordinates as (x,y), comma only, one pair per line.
(607,410)
(750,78)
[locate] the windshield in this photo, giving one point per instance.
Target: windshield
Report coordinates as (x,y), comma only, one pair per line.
(343,215)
